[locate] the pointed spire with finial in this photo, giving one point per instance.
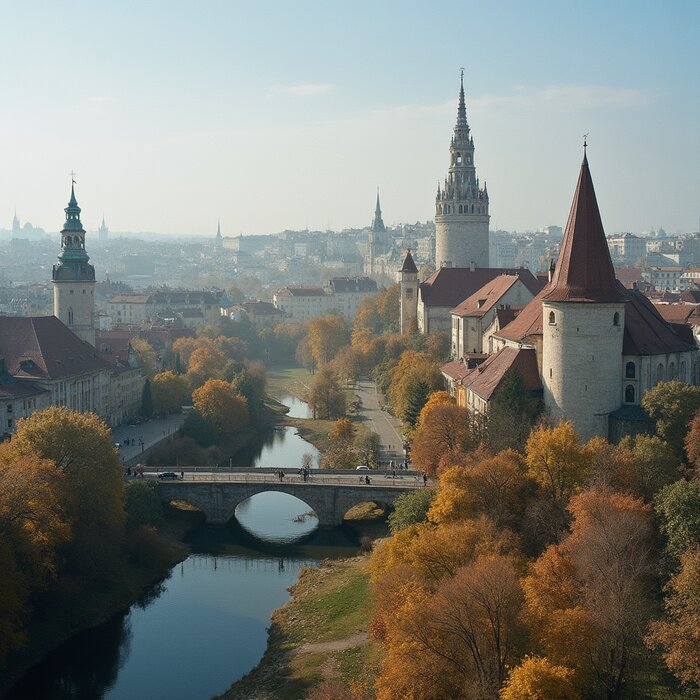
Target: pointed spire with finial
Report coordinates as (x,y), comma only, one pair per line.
(377,222)
(461,109)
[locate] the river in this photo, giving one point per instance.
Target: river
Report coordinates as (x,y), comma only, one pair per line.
(205,626)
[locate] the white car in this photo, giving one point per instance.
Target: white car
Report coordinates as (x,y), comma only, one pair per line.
(362,468)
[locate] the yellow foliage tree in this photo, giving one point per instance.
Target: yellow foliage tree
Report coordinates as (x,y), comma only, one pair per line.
(169,391)
(218,402)
(327,335)
(205,363)
(557,461)
(537,678)
(146,357)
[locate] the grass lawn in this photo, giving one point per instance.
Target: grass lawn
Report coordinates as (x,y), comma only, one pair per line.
(288,379)
(319,634)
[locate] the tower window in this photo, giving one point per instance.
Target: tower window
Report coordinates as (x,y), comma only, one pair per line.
(70,315)
(616,319)
(659,372)
(629,394)
(459,159)
(630,370)
(552,318)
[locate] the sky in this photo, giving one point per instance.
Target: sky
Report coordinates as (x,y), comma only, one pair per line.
(288,115)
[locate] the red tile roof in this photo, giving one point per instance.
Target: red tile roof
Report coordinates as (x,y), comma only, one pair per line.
(487,377)
(408,264)
(16,390)
(449,286)
(456,369)
(484,299)
(527,323)
(584,271)
(42,347)
(691,296)
(675,313)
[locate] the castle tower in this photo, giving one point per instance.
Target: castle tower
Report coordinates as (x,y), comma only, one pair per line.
(583,322)
(461,205)
(408,282)
(74,277)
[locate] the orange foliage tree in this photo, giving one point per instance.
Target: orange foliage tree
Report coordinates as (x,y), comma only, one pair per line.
(218,402)
(537,678)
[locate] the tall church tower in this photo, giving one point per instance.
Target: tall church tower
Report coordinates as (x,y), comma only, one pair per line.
(583,322)
(74,277)
(377,240)
(408,283)
(461,205)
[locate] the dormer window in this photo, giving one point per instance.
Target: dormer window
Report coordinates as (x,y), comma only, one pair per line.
(616,319)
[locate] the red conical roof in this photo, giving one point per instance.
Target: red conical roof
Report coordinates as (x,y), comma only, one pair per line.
(584,271)
(408,264)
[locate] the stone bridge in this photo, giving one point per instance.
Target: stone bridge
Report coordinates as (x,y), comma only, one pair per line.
(218,499)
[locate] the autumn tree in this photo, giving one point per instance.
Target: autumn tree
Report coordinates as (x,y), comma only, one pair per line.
(343,430)
(249,381)
(587,598)
(413,377)
(537,678)
(169,391)
(653,464)
(327,335)
(206,362)
(218,402)
(443,428)
(81,446)
(557,461)
(146,357)
(672,405)
(366,444)
(678,507)
(692,442)
(326,398)
(678,632)
(33,524)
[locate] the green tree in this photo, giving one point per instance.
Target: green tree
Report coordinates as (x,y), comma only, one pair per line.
(146,400)
(326,398)
(678,506)
(512,414)
(654,465)
(416,398)
(411,508)
(672,405)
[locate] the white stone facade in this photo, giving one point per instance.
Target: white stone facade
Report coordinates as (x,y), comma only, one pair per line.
(462,239)
(582,363)
(74,305)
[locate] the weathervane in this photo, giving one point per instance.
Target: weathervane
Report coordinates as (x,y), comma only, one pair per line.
(585,142)
(461,73)
(72,177)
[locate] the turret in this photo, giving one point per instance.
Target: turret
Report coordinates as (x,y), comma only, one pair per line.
(408,282)
(583,321)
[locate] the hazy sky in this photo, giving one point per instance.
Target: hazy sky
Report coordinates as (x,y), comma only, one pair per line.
(273,115)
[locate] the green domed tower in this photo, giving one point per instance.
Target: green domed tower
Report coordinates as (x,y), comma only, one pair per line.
(74,277)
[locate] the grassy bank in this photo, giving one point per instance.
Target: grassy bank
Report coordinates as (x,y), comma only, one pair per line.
(284,379)
(321,634)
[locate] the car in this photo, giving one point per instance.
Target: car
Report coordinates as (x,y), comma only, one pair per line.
(362,468)
(168,475)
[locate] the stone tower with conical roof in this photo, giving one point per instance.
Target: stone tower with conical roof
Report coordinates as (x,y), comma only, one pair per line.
(462,205)
(408,283)
(74,277)
(583,322)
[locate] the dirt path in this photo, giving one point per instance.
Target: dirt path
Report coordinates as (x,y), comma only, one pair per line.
(354,640)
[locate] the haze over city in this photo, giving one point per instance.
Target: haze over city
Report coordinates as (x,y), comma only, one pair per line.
(272,116)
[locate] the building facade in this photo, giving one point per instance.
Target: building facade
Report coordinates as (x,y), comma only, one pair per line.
(462,205)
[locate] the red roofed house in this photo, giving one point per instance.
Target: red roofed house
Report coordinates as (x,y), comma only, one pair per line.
(598,346)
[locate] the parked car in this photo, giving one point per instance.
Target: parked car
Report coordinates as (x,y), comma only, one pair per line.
(362,468)
(168,475)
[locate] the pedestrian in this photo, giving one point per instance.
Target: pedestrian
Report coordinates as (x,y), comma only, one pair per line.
(393,473)
(182,475)
(425,479)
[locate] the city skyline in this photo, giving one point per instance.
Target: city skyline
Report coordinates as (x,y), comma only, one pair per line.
(263,118)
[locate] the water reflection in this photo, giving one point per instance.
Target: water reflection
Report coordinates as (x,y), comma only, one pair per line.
(297,407)
(203,627)
(278,447)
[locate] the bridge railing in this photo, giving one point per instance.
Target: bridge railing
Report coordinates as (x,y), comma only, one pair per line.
(292,477)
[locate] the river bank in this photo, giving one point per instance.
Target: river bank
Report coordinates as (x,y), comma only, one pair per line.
(51,629)
(320,635)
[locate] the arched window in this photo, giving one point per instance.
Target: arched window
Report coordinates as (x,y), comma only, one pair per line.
(682,376)
(459,159)
(630,370)
(629,394)
(70,317)
(672,370)
(659,372)
(552,318)
(460,209)
(616,319)
(472,208)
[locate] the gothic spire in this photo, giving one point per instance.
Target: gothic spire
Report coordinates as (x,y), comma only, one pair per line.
(73,213)
(462,109)
(377,222)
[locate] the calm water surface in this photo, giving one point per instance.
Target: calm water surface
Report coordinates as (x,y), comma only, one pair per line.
(205,625)
(297,407)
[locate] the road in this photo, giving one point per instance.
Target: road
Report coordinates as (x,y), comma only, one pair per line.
(317,477)
(150,433)
(383,423)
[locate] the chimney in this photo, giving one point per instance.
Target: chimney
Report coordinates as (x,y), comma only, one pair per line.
(550,272)
(472,267)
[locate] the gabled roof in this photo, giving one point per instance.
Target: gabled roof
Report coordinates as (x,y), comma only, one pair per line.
(449,286)
(527,323)
(675,313)
(344,285)
(691,296)
(455,370)
(485,298)
(485,379)
(584,271)
(42,347)
(302,292)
